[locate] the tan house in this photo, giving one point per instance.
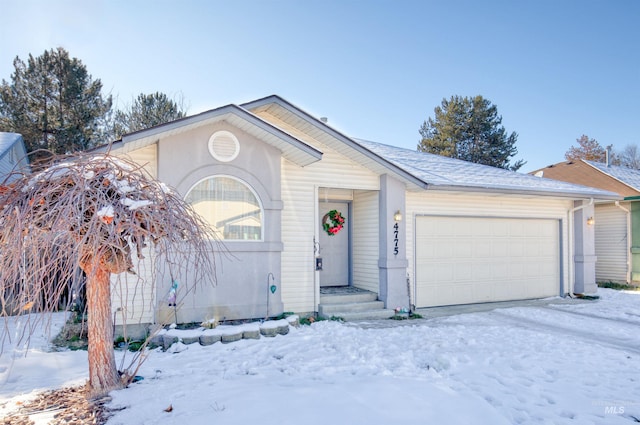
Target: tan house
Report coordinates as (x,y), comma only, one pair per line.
(418,229)
(617,222)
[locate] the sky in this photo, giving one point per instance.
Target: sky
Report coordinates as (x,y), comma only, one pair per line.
(376,69)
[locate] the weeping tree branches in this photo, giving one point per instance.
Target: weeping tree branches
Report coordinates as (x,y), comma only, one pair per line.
(94,213)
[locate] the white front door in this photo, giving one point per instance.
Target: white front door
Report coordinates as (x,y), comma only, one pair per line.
(334,248)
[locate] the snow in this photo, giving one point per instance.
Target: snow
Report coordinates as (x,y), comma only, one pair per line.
(106,211)
(134,205)
(437,170)
(542,363)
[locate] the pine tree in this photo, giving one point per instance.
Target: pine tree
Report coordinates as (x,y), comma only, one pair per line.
(54,103)
(147,110)
(588,149)
(469,129)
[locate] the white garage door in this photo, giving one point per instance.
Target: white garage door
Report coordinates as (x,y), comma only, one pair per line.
(464,260)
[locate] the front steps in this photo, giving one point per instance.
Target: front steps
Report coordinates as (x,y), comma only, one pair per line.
(351,303)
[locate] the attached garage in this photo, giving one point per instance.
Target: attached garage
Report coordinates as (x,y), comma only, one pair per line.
(464,260)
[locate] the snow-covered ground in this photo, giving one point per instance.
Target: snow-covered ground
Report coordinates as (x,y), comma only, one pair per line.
(554,364)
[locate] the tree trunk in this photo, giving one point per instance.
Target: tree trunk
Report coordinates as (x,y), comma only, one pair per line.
(103,374)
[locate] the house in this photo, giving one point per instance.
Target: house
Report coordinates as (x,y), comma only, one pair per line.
(617,222)
(303,208)
(13,157)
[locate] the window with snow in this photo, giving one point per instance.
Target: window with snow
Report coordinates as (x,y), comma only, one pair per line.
(224,146)
(230,206)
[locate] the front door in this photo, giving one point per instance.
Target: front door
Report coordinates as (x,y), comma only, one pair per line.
(334,248)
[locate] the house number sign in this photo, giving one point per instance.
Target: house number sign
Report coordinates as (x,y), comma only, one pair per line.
(395,239)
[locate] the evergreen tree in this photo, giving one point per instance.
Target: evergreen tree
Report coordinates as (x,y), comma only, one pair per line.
(469,129)
(588,149)
(147,110)
(54,103)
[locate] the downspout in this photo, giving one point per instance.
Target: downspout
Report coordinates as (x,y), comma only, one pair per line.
(628,239)
(572,267)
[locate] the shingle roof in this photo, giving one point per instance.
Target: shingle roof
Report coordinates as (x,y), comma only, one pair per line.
(626,175)
(448,173)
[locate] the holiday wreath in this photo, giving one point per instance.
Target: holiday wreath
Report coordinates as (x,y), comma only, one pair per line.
(332,222)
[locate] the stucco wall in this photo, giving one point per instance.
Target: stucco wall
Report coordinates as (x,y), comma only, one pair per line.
(244,268)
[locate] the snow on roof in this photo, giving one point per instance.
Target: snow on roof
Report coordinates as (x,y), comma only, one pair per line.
(7,140)
(626,175)
(443,172)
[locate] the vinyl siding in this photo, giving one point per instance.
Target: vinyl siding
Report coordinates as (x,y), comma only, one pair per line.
(365,252)
(147,157)
(465,204)
(300,222)
(13,161)
(134,295)
(612,245)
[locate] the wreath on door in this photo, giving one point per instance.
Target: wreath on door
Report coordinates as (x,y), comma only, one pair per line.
(333,222)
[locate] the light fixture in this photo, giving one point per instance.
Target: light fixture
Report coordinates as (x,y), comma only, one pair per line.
(397,216)
(591,221)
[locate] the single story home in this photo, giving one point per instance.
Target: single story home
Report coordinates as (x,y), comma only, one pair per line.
(13,157)
(617,222)
(304,209)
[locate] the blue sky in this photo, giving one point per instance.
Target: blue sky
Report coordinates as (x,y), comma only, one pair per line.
(377,69)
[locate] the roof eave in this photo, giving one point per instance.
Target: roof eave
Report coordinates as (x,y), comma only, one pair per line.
(524,191)
(306,154)
(300,113)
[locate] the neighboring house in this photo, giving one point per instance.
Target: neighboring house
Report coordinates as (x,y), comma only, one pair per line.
(265,175)
(13,157)
(617,223)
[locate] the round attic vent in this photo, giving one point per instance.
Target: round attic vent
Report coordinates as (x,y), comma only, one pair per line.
(224,146)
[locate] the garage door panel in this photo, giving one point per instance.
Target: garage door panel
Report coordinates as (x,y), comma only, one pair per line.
(462,260)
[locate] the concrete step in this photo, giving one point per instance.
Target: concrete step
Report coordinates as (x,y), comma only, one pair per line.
(366,315)
(348,298)
(327,310)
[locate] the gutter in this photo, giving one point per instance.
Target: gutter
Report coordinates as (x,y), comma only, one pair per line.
(572,276)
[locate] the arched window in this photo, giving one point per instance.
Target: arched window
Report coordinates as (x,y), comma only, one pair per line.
(229,206)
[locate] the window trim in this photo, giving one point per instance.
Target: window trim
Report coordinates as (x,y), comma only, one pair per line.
(251,189)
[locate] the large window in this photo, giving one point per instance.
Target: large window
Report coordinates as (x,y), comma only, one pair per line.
(230,207)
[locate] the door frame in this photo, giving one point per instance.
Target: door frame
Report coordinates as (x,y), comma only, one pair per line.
(348,205)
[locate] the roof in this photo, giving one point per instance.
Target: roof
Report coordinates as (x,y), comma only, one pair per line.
(444,173)
(628,176)
(622,180)
(294,131)
(291,147)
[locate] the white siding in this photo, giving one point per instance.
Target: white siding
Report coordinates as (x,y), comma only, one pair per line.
(465,204)
(612,245)
(300,222)
(134,295)
(365,251)
(147,157)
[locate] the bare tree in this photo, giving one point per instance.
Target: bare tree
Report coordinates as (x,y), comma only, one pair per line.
(95,213)
(630,157)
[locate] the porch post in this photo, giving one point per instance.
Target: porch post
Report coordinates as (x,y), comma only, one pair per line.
(393,263)
(585,252)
